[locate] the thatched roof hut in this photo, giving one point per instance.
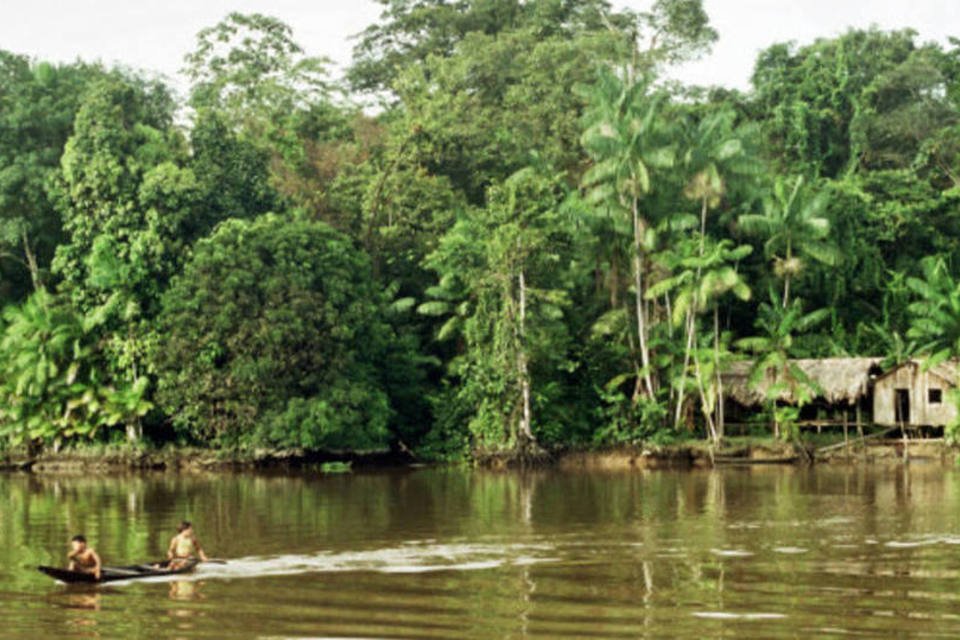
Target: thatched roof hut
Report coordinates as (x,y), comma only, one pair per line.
(838,380)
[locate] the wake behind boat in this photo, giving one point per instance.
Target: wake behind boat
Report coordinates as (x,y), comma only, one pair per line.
(114,574)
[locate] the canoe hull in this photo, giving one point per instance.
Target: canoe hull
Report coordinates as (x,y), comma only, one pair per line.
(114,574)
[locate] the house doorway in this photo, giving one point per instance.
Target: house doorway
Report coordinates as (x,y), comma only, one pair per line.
(901,404)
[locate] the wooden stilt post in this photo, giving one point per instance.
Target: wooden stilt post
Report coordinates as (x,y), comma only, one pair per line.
(863,447)
(846,440)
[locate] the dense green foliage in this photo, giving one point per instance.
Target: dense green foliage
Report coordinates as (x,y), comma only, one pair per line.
(53,378)
(534,243)
(275,329)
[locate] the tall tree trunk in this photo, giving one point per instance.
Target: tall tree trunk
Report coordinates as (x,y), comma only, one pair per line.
(640,307)
(31,260)
(134,427)
(703,228)
(708,415)
(672,390)
(369,240)
(717,372)
(134,432)
(691,322)
(526,431)
(687,350)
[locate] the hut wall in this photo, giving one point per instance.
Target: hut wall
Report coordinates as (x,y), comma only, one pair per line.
(884,412)
(941,413)
(919,384)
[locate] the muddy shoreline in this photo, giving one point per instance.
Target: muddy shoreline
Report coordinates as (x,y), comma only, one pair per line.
(194,460)
(692,455)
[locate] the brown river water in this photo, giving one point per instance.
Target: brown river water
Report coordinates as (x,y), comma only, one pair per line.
(764,552)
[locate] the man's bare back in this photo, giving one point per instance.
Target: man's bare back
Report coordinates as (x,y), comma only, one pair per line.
(184,547)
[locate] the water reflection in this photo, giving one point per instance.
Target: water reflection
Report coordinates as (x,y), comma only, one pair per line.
(79,606)
(771,552)
(82,599)
(185,590)
(184,617)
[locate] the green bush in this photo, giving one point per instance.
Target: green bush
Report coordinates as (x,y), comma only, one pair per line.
(274,335)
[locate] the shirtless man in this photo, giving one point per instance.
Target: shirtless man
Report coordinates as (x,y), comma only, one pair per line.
(184,546)
(83,558)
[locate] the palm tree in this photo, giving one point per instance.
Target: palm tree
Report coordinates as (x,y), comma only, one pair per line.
(40,350)
(794,226)
(626,137)
(936,312)
(935,320)
(891,343)
(701,276)
(52,386)
(715,153)
(773,348)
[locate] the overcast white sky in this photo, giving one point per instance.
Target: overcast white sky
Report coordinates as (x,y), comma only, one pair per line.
(156,34)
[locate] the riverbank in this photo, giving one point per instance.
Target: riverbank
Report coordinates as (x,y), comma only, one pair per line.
(689,454)
(699,455)
(696,454)
(105,460)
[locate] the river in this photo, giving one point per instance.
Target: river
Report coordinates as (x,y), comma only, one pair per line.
(763,552)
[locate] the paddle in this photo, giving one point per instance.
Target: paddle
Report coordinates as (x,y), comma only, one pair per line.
(214,561)
(123,571)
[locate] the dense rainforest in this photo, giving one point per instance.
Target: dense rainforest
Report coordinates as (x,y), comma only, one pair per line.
(503,230)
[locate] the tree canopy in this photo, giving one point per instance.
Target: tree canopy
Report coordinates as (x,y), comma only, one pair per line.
(533,241)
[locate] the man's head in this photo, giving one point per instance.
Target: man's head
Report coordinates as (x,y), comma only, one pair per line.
(78,542)
(185,525)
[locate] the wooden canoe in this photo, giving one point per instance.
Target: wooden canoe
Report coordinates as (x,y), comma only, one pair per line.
(113,574)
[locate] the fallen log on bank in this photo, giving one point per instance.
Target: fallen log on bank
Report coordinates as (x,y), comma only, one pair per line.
(861,440)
